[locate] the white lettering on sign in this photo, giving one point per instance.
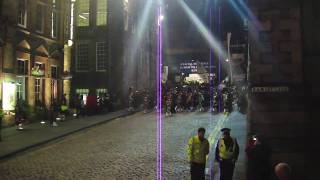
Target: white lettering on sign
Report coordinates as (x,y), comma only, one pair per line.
(269,89)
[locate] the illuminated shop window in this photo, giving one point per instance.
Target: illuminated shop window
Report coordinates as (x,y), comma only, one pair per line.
(84,93)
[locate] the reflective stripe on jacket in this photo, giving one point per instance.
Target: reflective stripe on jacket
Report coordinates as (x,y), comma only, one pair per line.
(227,153)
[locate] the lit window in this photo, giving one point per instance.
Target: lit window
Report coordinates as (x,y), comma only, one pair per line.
(101,92)
(126,14)
(84,93)
(101,12)
(38,91)
(40,14)
(83,7)
(82,61)
(101,55)
(21,86)
(22,13)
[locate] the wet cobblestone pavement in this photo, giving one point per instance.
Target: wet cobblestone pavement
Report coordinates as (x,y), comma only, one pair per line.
(121,149)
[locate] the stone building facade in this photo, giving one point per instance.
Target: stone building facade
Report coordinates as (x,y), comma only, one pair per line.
(33,42)
(140,32)
(105,36)
(281,78)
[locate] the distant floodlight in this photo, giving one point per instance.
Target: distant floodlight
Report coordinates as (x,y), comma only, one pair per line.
(70,42)
(161,17)
(227,60)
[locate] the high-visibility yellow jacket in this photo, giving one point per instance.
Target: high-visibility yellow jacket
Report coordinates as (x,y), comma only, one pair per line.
(198,150)
(227,153)
(64,108)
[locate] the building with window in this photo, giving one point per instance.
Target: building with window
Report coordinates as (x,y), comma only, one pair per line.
(34,54)
(284,61)
(102,31)
(91,52)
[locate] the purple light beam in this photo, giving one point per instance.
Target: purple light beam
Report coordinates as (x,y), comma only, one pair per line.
(159,93)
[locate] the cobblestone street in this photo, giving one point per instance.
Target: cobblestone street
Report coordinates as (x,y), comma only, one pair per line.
(124,148)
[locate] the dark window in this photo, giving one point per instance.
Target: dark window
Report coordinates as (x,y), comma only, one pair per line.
(101,53)
(22,12)
(22,67)
(82,62)
(54,72)
(40,18)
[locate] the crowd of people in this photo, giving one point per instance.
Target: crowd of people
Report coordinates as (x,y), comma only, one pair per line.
(191,97)
(202,97)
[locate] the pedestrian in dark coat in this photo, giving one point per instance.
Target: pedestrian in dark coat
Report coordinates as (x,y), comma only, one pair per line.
(258,153)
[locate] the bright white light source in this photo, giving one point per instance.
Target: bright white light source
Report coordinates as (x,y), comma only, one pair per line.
(161,17)
(70,42)
(227,60)
(9,96)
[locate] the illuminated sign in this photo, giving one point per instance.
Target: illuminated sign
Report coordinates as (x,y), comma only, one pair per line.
(9,96)
(269,89)
(195,67)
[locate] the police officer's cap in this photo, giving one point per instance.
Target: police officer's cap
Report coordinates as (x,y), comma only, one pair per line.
(225,130)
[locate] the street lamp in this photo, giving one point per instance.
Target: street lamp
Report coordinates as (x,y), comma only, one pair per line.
(229,56)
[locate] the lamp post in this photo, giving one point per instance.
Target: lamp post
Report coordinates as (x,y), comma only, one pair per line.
(229,57)
(160,18)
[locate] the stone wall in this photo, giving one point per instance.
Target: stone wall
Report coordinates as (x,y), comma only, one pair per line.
(276,61)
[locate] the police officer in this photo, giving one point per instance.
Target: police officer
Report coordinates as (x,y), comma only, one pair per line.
(227,152)
(198,149)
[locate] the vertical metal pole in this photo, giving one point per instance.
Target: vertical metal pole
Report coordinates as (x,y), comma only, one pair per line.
(159,93)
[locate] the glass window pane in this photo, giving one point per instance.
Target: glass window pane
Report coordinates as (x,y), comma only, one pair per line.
(101,12)
(83,14)
(101,55)
(82,62)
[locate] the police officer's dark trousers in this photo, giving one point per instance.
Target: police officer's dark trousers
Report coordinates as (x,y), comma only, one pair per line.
(197,171)
(226,170)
